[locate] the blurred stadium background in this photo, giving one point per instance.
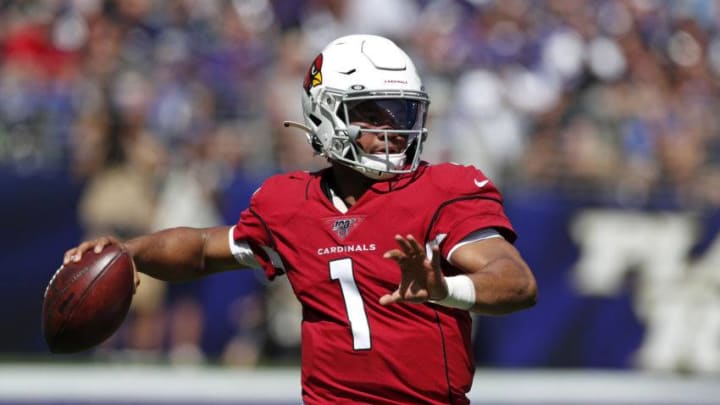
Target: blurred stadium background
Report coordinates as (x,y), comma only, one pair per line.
(598,119)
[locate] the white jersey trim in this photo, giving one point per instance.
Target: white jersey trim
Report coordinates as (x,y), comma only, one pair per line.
(476,236)
(338,202)
(242,252)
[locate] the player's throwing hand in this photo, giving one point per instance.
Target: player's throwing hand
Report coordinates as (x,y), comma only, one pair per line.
(97,245)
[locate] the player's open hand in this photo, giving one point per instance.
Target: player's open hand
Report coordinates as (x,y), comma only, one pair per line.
(74,254)
(422,278)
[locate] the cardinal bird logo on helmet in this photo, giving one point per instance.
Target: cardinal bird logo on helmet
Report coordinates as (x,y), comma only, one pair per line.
(314,75)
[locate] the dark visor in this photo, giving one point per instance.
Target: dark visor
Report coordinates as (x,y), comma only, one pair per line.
(396,113)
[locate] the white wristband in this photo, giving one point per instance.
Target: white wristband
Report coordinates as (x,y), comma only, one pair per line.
(461,293)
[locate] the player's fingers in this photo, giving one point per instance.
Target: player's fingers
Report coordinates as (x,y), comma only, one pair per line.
(84,247)
(394,254)
(414,244)
(101,242)
(436,258)
(81,249)
(392,298)
(97,245)
(403,260)
(415,297)
(414,252)
(68,255)
(404,244)
(416,248)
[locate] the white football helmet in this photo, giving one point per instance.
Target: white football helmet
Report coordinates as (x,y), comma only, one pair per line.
(364,84)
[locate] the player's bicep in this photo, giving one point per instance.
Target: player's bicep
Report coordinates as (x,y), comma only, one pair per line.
(476,256)
(503,281)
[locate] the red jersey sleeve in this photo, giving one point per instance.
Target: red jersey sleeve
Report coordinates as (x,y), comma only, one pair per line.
(251,229)
(472,203)
(255,225)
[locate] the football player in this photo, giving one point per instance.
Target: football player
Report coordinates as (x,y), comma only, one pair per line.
(387,254)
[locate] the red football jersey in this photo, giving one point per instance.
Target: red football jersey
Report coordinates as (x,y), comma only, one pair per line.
(355,350)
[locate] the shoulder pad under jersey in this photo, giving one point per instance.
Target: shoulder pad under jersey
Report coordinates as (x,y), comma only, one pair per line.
(461,179)
(281,194)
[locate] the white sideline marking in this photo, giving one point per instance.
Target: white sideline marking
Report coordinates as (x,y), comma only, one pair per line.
(25,383)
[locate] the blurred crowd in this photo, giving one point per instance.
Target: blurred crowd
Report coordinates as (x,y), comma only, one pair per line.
(165,109)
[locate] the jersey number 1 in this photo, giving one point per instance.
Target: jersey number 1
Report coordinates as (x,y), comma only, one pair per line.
(342,270)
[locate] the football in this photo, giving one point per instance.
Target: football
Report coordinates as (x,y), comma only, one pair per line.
(86,301)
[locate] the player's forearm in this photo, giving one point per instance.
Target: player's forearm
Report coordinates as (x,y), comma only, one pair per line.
(503,286)
(176,254)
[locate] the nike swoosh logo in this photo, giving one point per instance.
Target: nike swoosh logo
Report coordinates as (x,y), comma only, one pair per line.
(481,184)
